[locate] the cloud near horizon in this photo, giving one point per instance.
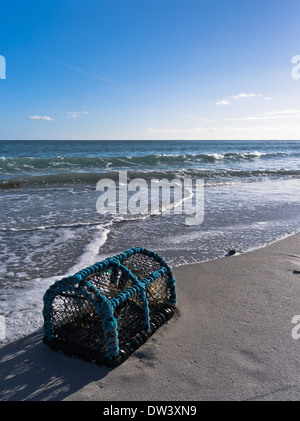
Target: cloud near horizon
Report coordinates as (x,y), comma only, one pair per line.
(39,117)
(242,95)
(281,124)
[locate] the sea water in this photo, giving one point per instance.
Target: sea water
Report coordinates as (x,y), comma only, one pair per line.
(50,227)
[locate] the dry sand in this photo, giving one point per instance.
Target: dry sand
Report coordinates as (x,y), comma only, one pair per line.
(231,340)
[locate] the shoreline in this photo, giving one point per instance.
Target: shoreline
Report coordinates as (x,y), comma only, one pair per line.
(238,252)
(231,339)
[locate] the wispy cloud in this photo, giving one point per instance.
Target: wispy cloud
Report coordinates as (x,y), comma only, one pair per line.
(273,115)
(223,102)
(287,112)
(75,114)
(280,124)
(40,117)
(241,95)
(151,130)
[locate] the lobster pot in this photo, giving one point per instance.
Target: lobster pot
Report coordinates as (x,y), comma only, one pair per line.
(107,311)
(155,274)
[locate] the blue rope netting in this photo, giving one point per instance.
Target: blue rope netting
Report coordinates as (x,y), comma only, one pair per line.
(106,311)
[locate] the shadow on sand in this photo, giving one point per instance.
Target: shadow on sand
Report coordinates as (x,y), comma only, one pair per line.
(29,370)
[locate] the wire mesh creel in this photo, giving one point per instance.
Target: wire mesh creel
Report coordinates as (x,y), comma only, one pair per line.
(106,311)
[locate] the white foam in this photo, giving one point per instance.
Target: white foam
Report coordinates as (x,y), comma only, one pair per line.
(216,156)
(22,308)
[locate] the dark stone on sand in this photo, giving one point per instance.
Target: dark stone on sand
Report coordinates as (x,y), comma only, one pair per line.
(231,252)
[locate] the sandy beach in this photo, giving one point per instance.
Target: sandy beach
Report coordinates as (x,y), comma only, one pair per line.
(231,339)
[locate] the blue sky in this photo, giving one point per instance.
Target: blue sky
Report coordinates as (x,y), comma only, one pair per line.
(150,69)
